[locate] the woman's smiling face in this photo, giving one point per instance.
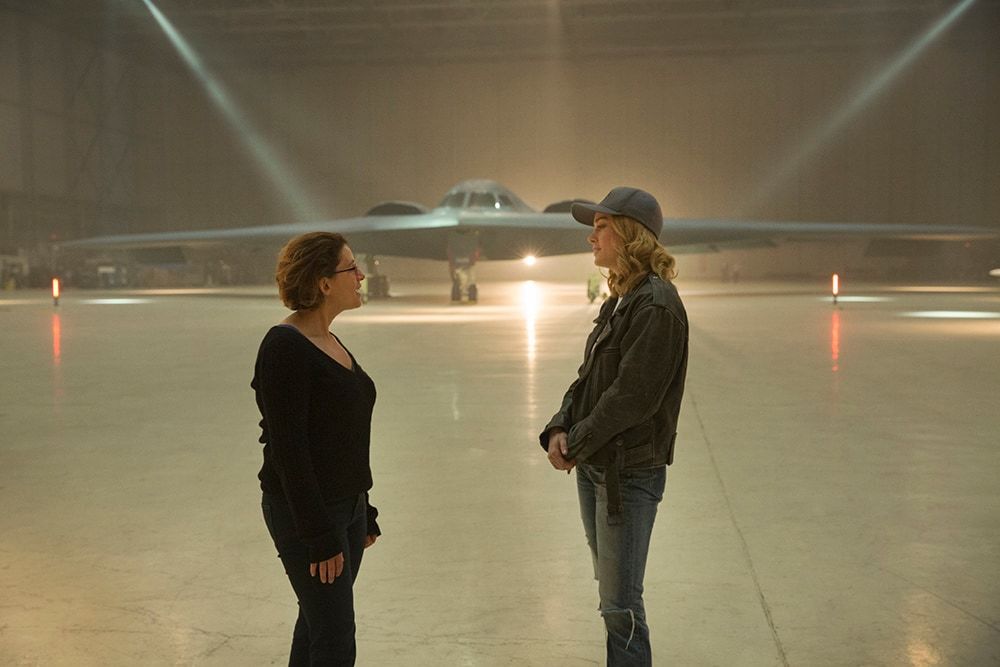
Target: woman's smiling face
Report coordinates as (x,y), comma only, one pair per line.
(604,242)
(343,288)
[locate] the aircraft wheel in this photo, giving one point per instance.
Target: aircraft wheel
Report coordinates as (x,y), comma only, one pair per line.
(473,293)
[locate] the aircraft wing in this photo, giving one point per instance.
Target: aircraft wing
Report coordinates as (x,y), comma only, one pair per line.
(371,225)
(503,235)
(512,235)
(687,232)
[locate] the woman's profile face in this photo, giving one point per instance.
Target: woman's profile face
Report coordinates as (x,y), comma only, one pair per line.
(604,241)
(344,287)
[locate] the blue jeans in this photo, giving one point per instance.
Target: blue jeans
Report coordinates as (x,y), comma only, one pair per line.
(619,545)
(324,630)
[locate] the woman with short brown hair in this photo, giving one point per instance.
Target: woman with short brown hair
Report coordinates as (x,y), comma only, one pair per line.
(316,406)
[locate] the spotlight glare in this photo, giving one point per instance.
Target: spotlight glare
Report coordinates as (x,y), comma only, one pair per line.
(266,157)
(530,260)
(821,135)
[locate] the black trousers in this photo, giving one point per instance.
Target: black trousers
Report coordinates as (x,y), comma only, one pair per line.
(324,629)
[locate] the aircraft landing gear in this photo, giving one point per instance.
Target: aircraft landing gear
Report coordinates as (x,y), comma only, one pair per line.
(376,284)
(456,292)
(595,288)
(463,283)
(463,252)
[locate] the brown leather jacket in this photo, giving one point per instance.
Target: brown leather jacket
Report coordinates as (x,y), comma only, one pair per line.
(622,409)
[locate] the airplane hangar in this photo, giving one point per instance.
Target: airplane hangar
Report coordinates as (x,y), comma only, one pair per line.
(834,497)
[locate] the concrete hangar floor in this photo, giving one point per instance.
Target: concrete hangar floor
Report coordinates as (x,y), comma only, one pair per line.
(834,499)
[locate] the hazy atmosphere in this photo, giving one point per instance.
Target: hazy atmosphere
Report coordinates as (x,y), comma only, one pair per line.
(881,112)
(821,372)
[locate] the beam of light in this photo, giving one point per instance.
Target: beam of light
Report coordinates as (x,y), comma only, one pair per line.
(55,289)
(266,158)
(530,260)
(836,285)
(856,102)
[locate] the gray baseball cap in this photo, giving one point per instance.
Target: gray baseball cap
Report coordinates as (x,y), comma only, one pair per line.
(632,202)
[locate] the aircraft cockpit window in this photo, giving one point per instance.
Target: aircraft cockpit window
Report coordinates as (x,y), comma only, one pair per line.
(454,200)
(505,201)
(482,200)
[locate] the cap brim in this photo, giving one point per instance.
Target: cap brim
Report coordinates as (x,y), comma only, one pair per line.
(584,213)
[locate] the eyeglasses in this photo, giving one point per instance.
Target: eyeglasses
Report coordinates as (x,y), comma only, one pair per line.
(350,268)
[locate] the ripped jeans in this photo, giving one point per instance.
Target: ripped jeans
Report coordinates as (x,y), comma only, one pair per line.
(619,545)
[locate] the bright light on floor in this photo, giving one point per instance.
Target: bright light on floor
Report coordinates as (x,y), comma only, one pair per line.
(953,315)
(114,302)
(942,289)
(531,301)
(530,260)
(531,298)
(858,299)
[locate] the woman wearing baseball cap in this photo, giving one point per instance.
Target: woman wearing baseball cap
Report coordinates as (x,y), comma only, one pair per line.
(618,420)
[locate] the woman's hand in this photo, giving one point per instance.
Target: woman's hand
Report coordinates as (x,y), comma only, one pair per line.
(370,540)
(329,569)
(558,449)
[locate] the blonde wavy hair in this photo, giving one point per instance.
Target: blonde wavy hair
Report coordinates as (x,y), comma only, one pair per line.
(638,254)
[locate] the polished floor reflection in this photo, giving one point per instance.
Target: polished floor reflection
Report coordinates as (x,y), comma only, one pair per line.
(834,500)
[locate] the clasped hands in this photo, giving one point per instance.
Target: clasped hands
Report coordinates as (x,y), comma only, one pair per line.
(559,450)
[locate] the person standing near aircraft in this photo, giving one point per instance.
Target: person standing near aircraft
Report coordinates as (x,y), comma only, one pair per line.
(618,421)
(316,405)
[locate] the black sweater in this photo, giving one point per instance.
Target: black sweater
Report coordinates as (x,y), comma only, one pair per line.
(316,430)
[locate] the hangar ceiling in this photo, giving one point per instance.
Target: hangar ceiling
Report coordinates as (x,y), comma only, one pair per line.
(287,32)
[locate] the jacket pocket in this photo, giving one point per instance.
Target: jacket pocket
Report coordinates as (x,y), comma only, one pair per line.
(605,365)
(637,444)
(638,455)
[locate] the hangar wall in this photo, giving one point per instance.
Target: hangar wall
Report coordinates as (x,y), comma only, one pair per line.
(704,133)
(68,127)
(94,142)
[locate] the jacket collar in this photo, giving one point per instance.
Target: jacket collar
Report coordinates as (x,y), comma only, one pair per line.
(609,306)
